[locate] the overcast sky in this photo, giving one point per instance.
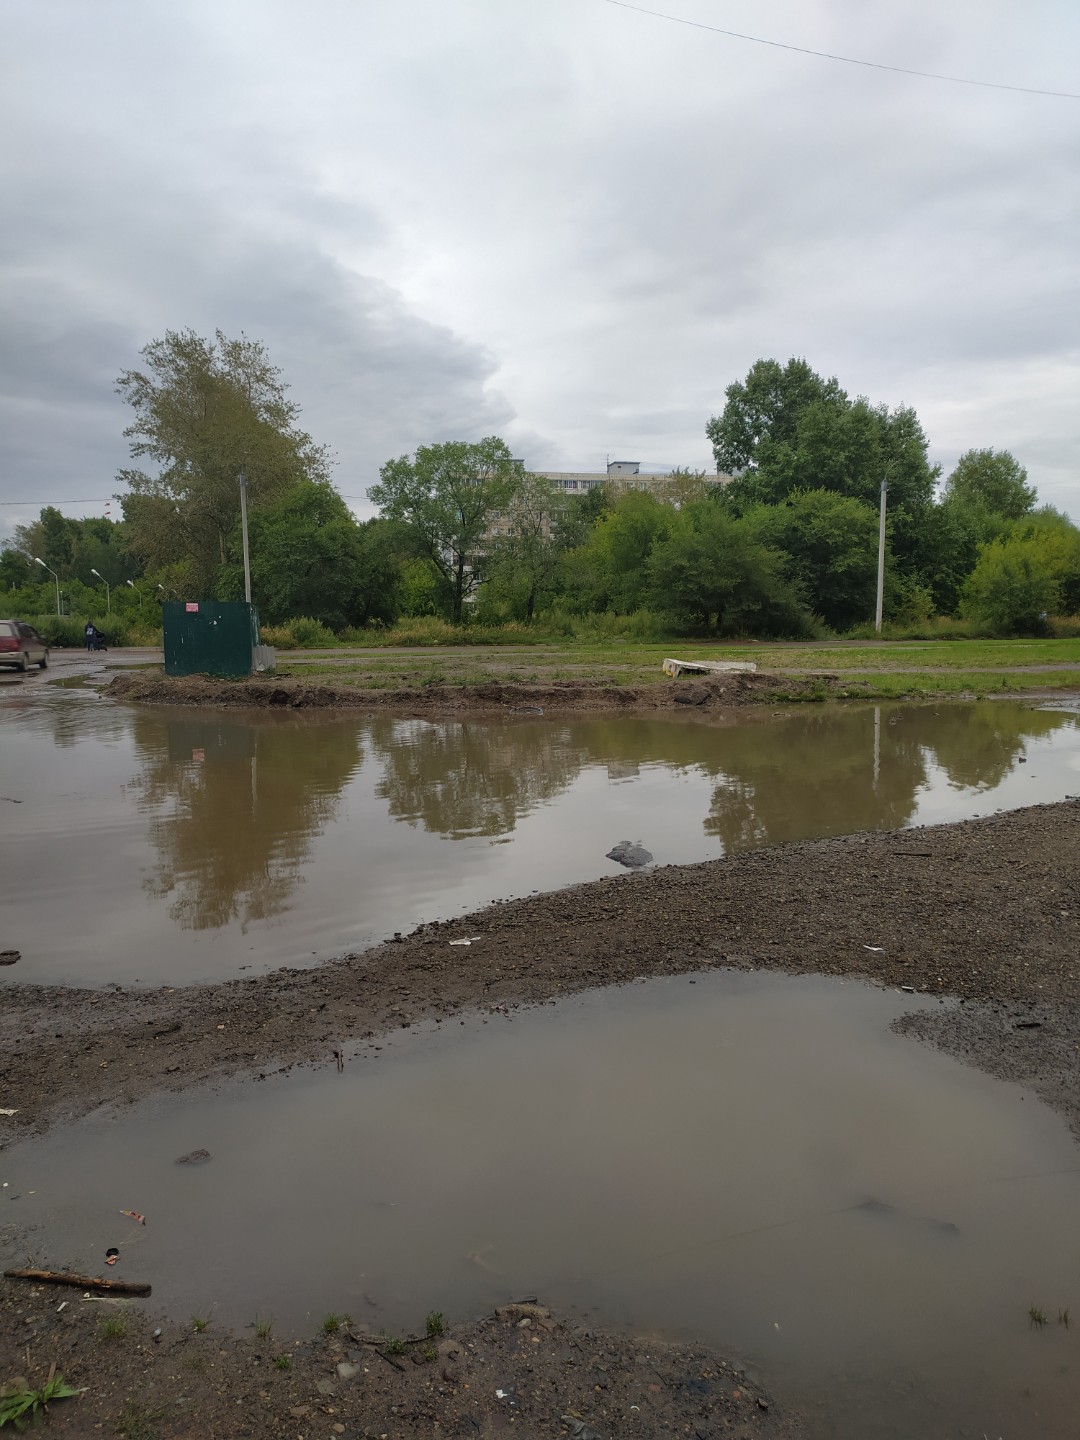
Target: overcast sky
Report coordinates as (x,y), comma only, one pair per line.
(556,220)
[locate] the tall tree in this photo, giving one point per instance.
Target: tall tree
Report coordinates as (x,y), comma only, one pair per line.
(712,570)
(205,411)
(309,556)
(787,428)
(993,480)
(832,543)
(446,494)
(525,560)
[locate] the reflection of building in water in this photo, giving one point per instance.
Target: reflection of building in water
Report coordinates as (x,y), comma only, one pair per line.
(243,803)
(623,769)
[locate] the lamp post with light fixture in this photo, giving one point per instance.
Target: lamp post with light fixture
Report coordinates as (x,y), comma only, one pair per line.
(108,592)
(52,572)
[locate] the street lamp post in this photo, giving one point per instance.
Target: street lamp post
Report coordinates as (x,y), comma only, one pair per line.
(134,587)
(108,592)
(52,572)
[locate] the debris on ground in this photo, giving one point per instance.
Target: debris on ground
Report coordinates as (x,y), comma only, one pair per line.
(10,957)
(194,1157)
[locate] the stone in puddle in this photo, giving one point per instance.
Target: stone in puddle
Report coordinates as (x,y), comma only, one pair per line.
(194,1157)
(627,853)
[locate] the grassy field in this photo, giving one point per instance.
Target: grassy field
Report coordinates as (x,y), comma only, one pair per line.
(980,667)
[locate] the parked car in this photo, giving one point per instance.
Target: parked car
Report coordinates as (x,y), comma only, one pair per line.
(21,645)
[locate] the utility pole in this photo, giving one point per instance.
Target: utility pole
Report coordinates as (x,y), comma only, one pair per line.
(881,554)
(243,528)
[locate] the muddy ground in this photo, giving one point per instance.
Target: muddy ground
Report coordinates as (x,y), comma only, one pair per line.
(556,1378)
(488,697)
(987,911)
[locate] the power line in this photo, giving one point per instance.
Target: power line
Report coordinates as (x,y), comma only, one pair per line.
(843,59)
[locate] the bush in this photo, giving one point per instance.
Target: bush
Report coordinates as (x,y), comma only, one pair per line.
(68,632)
(310,634)
(279,636)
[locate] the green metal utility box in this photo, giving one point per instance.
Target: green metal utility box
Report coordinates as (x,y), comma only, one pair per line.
(207,637)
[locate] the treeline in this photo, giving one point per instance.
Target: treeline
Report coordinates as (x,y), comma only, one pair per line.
(787,548)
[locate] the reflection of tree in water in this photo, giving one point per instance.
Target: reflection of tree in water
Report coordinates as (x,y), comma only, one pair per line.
(472,777)
(247,800)
(978,745)
(815,772)
(831,772)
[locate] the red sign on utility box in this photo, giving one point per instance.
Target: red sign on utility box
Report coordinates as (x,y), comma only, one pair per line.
(192,607)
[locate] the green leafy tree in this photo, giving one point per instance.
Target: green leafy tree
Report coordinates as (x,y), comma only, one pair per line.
(711,570)
(786,428)
(205,411)
(1012,588)
(1030,572)
(609,570)
(309,556)
(957,527)
(446,495)
(526,552)
(991,480)
(831,541)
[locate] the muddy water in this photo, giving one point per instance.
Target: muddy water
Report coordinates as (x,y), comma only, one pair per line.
(753,1160)
(176,846)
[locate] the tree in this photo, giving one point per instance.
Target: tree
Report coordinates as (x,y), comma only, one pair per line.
(764,409)
(309,556)
(609,570)
(205,411)
(710,569)
(446,495)
(831,541)
(991,480)
(789,429)
(524,562)
(1012,588)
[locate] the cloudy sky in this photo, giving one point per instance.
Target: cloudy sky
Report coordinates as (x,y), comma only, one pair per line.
(562,221)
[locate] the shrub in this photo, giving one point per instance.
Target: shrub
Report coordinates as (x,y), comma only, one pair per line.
(310,633)
(280,636)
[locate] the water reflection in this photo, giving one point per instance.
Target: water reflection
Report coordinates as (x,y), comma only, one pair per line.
(177,845)
(472,778)
(243,803)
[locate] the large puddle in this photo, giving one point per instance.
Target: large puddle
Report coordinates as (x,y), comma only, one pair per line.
(752,1160)
(171,846)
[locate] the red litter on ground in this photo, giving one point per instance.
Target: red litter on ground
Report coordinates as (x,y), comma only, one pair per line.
(134,1215)
(112,1255)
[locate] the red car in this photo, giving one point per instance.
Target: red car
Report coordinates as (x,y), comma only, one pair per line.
(22,646)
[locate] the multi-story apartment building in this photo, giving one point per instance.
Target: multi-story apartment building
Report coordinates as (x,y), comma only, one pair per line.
(619,477)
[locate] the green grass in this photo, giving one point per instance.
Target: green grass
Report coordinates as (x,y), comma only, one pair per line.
(137,1422)
(115,1328)
(21,1405)
(263,1328)
(1036,1317)
(954,667)
(435,1324)
(282,1361)
(199,1323)
(333,1323)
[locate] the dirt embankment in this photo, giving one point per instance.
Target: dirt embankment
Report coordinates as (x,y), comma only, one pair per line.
(986,910)
(520,1372)
(492,697)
